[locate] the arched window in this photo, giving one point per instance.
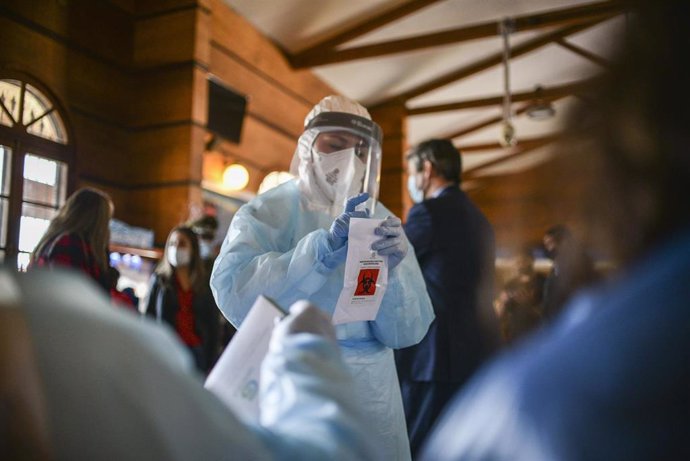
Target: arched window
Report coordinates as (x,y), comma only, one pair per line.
(35,159)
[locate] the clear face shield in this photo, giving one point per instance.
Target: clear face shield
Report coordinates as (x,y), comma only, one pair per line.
(346,154)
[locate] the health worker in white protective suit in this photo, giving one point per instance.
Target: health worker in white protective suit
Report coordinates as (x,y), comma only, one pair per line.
(290,243)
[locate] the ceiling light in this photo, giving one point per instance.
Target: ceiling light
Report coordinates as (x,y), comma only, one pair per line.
(235,177)
(507,138)
(540,109)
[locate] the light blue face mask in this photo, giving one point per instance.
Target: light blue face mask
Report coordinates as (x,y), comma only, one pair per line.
(416,194)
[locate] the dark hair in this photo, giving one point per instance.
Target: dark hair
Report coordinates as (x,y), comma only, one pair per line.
(197,272)
(204,227)
(443,156)
(559,232)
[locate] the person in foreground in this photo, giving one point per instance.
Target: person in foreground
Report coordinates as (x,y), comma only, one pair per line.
(610,379)
(114,386)
(292,241)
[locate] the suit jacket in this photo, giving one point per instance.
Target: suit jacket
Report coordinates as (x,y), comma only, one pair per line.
(454,244)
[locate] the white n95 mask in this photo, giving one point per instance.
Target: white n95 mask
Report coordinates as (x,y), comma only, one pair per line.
(338,174)
(179,257)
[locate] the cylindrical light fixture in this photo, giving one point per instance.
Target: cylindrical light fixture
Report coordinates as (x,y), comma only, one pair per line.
(235,177)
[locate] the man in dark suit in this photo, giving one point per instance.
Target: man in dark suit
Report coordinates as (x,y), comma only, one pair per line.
(454,244)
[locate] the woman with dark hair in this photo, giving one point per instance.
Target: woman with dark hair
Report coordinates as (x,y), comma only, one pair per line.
(78,236)
(180,296)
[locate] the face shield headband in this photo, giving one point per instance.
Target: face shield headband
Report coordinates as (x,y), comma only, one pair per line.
(368,149)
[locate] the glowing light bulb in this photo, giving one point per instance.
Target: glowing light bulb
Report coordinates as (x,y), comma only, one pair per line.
(508,138)
(235,177)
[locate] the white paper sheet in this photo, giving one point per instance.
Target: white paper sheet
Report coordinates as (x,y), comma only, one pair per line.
(235,377)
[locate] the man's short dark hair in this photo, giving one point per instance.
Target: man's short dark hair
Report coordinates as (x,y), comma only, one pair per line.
(559,233)
(442,154)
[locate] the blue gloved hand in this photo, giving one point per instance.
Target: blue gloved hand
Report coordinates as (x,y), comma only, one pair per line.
(337,235)
(393,244)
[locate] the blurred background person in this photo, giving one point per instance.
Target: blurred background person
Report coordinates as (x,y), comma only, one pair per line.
(124,298)
(206,228)
(609,379)
(454,244)
(572,269)
(519,304)
(292,241)
(78,237)
(180,296)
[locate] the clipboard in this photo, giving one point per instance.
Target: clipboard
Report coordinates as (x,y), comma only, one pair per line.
(236,376)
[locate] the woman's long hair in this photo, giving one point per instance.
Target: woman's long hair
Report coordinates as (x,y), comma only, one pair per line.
(197,272)
(86,213)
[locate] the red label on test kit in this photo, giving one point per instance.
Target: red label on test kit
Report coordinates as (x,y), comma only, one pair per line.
(366,282)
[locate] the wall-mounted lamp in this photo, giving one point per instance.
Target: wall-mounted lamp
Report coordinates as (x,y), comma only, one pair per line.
(540,109)
(235,177)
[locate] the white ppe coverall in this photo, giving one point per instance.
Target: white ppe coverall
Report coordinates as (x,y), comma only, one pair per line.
(274,247)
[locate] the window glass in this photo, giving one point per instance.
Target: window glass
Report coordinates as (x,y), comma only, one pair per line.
(36,111)
(10,94)
(44,180)
(4,170)
(4,206)
(23,259)
(40,118)
(33,224)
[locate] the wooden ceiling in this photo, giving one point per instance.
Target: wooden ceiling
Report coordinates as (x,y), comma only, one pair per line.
(444,60)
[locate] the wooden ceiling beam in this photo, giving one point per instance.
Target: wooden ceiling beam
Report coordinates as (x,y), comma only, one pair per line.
(487,63)
(530,143)
(481,125)
(584,53)
(324,48)
(523,148)
(324,53)
(552,93)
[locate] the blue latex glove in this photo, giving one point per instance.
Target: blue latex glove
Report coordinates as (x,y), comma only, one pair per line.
(393,244)
(337,235)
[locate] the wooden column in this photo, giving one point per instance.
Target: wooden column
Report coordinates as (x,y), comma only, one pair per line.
(393,122)
(171,52)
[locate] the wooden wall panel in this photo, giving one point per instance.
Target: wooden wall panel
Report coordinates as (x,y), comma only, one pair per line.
(266,99)
(237,35)
(132,79)
(160,7)
(90,84)
(162,156)
(522,206)
(101,148)
(96,28)
(163,96)
(119,196)
(162,208)
(262,146)
(165,39)
(392,121)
